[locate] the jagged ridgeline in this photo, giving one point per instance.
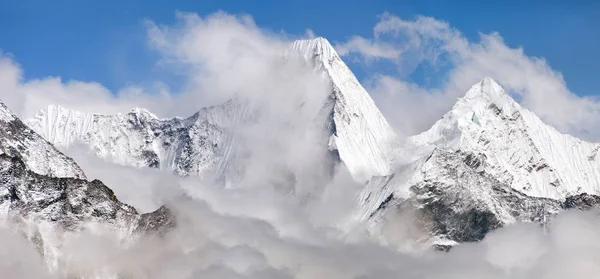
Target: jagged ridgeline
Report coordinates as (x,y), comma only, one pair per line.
(40,185)
(486,163)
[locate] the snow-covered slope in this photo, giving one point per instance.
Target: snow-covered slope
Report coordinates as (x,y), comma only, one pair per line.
(364,139)
(18,140)
(354,129)
(515,146)
(138,138)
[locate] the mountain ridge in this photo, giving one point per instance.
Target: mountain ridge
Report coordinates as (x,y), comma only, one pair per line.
(17,139)
(45,194)
(353,121)
(486,163)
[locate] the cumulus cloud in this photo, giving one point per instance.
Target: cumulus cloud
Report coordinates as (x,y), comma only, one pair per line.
(219,56)
(428,42)
(26,97)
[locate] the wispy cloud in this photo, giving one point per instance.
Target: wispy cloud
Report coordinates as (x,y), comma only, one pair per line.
(426,40)
(368,48)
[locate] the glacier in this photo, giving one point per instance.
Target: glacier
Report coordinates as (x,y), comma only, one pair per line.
(139,138)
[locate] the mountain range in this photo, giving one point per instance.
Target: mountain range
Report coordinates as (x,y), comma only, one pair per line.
(486,163)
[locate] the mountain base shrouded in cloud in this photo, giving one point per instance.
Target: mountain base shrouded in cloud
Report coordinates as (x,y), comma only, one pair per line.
(285,168)
(44,196)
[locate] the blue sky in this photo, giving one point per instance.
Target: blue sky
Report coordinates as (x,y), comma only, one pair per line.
(105,41)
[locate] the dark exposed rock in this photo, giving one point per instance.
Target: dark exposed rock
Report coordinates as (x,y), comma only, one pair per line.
(467,204)
(582,202)
(70,201)
(159,221)
(474,161)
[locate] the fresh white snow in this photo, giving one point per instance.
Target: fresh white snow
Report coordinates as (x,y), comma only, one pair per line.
(38,154)
(364,139)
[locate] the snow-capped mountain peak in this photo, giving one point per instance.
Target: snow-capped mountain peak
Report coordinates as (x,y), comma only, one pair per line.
(487,88)
(316,48)
(514,145)
(484,97)
(362,136)
(488,159)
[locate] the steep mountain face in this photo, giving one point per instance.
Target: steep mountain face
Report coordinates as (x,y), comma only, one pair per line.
(489,163)
(361,135)
(354,131)
(455,201)
(18,140)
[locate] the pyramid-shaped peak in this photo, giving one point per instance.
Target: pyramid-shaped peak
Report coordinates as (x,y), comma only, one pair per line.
(486,92)
(316,47)
(482,95)
(486,88)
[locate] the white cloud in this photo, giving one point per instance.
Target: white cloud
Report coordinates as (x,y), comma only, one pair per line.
(219,56)
(26,97)
(233,244)
(426,40)
(368,48)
